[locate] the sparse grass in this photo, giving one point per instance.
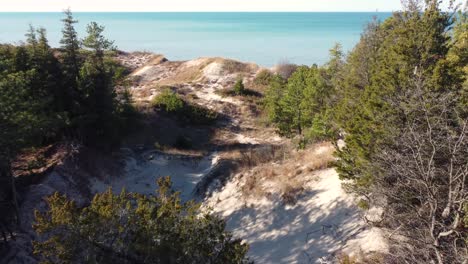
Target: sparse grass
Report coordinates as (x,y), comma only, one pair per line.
(361,258)
(235,66)
(185,74)
(287,176)
(256,156)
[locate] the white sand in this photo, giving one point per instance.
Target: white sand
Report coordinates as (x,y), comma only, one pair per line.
(245,140)
(318,225)
(140,177)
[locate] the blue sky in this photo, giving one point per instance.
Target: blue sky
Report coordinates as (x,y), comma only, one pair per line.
(202,5)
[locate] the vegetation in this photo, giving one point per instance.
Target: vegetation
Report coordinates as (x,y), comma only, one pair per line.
(133,228)
(239,88)
(299,106)
(170,102)
(399,101)
(263,78)
(49,95)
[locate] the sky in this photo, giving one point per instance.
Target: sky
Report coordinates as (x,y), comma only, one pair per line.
(199,5)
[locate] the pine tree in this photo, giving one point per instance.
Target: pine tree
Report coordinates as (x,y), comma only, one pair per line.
(400,108)
(71,46)
(96,84)
(293,118)
(239,88)
(273,96)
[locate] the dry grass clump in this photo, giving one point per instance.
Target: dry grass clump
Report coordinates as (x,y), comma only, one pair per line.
(319,159)
(260,155)
(186,75)
(234,66)
(288,176)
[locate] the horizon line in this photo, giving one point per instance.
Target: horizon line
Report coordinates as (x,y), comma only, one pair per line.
(185,11)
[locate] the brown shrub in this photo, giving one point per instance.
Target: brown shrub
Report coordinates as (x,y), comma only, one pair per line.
(285,69)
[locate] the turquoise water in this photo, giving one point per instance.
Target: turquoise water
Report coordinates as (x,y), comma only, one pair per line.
(264,38)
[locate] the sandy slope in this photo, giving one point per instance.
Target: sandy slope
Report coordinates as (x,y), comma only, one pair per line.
(322,222)
(141,173)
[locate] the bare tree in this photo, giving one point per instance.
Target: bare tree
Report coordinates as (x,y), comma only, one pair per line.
(285,69)
(424,179)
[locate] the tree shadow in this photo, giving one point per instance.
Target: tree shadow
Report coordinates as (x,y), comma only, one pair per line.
(302,233)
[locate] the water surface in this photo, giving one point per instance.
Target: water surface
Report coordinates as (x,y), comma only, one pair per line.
(264,38)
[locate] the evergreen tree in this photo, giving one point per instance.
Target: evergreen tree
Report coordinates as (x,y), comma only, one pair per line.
(97,86)
(71,64)
(273,96)
(71,46)
(294,119)
(400,106)
(300,104)
(239,88)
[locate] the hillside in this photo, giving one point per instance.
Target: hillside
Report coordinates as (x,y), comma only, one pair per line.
(288,205)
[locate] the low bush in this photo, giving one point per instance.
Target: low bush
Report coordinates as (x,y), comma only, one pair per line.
(239,88)
(169,101)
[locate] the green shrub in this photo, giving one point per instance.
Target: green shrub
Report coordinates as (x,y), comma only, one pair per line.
(239,88)
(169,101)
